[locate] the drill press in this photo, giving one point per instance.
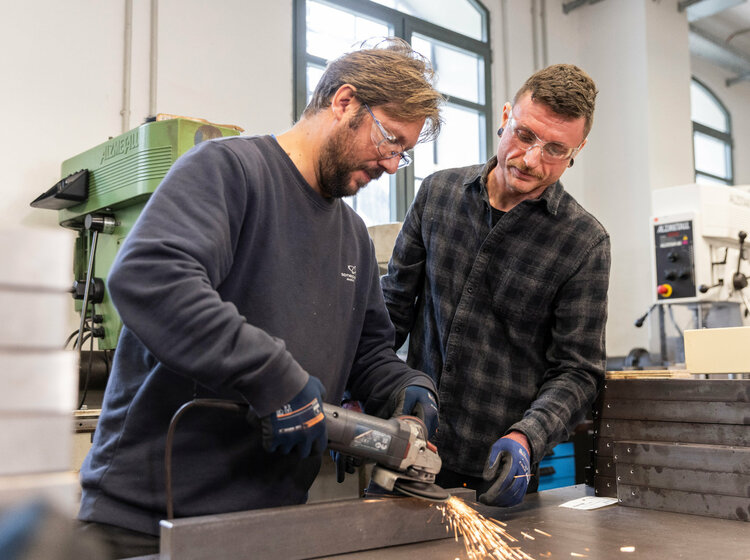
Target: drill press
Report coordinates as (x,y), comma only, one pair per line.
(102,193)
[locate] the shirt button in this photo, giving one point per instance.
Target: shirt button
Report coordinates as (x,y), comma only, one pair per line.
(448,367)
(470,290)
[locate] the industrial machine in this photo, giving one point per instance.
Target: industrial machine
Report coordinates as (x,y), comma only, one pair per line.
(700,265)
(102,193)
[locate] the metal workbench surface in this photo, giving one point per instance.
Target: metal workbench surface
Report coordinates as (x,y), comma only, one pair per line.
(594,534)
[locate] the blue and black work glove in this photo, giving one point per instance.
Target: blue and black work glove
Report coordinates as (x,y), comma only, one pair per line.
(418,401)
(509,466)
(299,426)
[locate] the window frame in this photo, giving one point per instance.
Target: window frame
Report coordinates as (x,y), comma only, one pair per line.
(724,137)
(404,26)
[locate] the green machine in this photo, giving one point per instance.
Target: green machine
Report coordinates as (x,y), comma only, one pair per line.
(102,193)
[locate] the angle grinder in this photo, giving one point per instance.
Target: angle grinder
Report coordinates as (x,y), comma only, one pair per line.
(405,461)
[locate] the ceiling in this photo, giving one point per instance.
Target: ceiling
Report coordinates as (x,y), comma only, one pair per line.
(720,32)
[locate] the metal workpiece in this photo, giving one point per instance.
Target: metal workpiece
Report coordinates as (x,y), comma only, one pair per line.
(305,531)
(698,503)
(678,411)
(605,486)
(717,458)
(604,447)
(709,480)
(702,390)
(607,533)
(676,444)
(683,432)
(613,532)
(604,466)
(685,480)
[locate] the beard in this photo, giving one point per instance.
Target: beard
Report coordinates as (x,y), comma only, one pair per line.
(335,168)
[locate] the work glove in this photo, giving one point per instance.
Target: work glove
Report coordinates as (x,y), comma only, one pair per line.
(346,463)
(508,465)
(418,401)
(299,426)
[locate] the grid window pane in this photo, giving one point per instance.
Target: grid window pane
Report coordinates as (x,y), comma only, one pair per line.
(373,202)
(457,15)
(332,32)
(705,179)
(706,110)
(459,142)
(333,27)
(314,73)
(459,72)
(711,155)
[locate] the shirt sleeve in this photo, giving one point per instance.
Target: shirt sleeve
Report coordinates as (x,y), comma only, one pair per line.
(577,355)
(164,284)
(406,270)
(378,374)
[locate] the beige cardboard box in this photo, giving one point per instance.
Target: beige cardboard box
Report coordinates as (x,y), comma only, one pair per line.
(724,350)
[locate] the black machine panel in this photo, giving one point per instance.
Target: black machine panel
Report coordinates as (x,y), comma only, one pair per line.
(675,268)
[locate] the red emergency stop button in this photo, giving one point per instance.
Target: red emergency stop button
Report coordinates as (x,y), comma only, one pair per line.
(664,290)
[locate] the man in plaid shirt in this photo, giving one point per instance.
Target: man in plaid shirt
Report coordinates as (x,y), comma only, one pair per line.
(500,278)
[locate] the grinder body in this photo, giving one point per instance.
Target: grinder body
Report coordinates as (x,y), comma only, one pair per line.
(405,460)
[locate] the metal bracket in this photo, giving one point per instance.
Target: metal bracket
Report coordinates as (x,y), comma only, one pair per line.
(306,531)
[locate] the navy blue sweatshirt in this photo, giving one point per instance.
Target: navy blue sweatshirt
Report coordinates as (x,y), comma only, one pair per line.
(237,282)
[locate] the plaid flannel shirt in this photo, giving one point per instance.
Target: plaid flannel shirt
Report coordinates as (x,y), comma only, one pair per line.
(508,320)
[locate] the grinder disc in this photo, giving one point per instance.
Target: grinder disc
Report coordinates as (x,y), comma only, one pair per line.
(423,490)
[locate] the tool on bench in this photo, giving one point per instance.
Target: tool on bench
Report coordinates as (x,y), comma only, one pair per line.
(405,461)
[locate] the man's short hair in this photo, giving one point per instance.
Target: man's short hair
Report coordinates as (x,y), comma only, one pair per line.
(564,88)
(387,74)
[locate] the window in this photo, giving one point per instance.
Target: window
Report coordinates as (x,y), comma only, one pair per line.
(712,137)
(324,29)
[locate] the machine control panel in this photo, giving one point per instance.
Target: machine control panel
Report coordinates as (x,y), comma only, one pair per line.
(675,263)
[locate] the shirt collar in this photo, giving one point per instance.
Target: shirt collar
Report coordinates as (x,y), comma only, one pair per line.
(551,196)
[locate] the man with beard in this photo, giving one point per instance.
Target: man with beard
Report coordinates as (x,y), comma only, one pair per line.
(247,279)
(501,279)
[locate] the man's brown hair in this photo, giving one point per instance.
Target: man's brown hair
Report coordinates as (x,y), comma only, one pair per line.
(389,75)
(564,88)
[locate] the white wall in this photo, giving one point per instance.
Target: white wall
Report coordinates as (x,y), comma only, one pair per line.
(230,61)
(637,53)
(229,65)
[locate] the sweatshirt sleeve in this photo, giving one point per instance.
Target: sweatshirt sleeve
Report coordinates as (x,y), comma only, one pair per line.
(165,279)
(378,374)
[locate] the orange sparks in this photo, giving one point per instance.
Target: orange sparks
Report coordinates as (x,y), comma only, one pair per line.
(483,538)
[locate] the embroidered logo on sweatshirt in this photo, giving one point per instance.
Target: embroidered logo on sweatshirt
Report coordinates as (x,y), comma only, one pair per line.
(350,276)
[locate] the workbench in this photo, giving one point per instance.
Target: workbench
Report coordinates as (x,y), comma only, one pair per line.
(594,534)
